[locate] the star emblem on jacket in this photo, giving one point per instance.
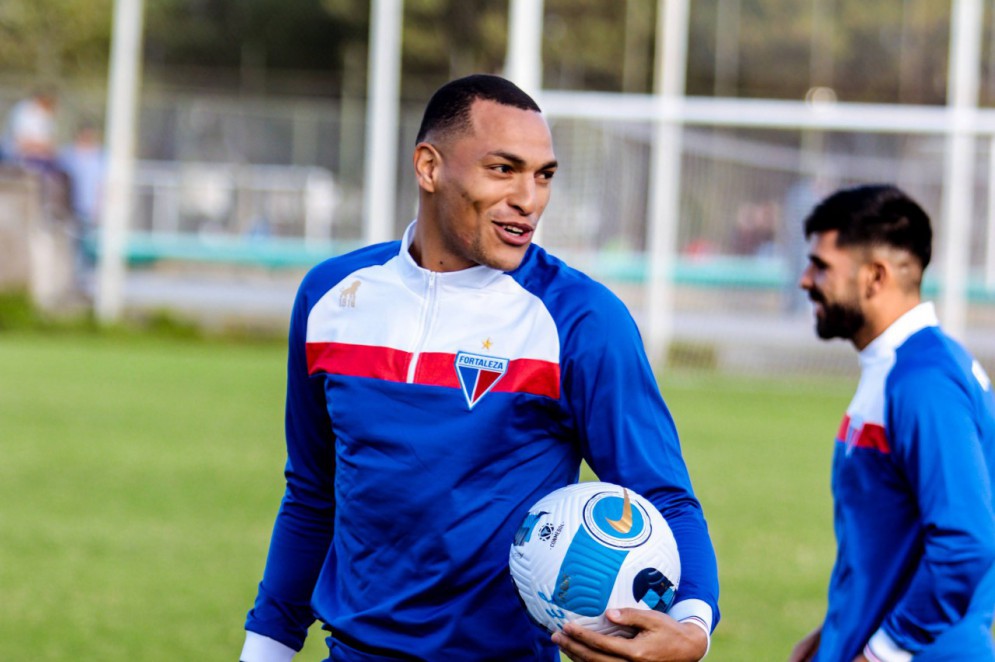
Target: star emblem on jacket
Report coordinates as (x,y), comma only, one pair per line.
(486,344)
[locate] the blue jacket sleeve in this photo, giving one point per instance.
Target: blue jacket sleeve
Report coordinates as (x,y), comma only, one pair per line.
(936,441)
(628,436)
(302,533)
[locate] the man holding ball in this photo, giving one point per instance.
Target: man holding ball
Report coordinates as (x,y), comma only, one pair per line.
(437,387)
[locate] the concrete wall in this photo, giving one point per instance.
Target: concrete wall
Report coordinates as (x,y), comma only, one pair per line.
(36,247)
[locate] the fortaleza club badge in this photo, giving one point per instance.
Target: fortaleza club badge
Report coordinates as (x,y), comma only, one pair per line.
(478,374)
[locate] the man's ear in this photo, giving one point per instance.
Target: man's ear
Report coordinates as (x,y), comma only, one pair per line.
(878,273)
(427,162)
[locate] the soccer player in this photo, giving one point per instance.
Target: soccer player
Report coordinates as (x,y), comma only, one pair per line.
(438,386)
(915,453)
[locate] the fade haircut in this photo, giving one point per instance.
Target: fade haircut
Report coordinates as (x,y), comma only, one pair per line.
(874,215)
(448,111)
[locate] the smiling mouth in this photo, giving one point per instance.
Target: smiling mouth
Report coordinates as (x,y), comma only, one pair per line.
(518,235)
(517,230)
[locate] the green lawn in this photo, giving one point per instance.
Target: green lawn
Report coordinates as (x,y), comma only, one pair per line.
(759,454)
(140,477)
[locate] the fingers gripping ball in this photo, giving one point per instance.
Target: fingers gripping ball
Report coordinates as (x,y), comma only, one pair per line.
(590,547)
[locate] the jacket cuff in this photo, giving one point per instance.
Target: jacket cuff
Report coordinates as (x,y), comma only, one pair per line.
(697,612)
(258,648)
(882,648)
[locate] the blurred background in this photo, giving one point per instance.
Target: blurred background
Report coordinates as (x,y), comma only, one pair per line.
(252,152)
(169,169)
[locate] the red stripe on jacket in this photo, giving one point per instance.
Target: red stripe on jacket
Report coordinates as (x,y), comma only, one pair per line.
(870,435)
(434,368)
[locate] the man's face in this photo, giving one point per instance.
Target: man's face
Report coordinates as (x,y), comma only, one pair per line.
(832,285)
(493,185)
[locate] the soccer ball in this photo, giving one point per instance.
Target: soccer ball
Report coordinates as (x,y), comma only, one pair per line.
(590,547)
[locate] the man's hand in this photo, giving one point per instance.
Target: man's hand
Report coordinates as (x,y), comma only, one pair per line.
(805,649)
(659,638)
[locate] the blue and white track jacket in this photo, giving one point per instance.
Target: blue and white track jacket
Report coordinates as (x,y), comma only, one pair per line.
(426,412)
(915,523)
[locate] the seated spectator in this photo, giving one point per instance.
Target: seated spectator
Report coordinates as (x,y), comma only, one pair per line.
(30,134)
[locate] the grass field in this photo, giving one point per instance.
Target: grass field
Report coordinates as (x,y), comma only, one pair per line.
(140,477)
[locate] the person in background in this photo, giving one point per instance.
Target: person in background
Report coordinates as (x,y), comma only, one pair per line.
(30,138)
(914,458)
(30,143)
(84,163)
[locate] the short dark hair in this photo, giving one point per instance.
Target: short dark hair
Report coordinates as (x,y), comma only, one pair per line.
(874,215)
(448,111)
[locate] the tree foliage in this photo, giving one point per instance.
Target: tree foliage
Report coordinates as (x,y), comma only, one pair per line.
(54,38)
(224,33)
(885,51)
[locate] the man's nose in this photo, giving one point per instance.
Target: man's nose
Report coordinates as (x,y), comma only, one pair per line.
(524,195)
(805,280)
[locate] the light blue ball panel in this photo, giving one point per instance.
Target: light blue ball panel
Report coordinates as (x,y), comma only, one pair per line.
(587,575)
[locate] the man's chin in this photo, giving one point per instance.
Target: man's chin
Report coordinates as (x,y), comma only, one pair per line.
(827,333)
(507,260)
(829,329)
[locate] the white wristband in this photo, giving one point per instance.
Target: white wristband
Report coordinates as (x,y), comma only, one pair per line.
(697,612)
(882,648)
(259,648)
(704,628)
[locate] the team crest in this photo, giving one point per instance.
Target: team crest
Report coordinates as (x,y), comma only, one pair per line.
(478,374)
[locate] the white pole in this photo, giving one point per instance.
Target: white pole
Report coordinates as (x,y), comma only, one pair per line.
(665,174)
(523,61)
(379,187)
(958,185)
(122,103)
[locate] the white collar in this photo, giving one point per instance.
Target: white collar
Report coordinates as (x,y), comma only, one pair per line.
(476,276)
(914,320)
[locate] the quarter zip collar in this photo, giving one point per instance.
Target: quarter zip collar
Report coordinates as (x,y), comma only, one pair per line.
(417,277)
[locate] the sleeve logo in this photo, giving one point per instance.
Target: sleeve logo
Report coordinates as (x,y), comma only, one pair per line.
(347,297)
(478,374)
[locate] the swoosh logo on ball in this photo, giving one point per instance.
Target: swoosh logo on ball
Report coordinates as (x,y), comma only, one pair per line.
(624,523)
